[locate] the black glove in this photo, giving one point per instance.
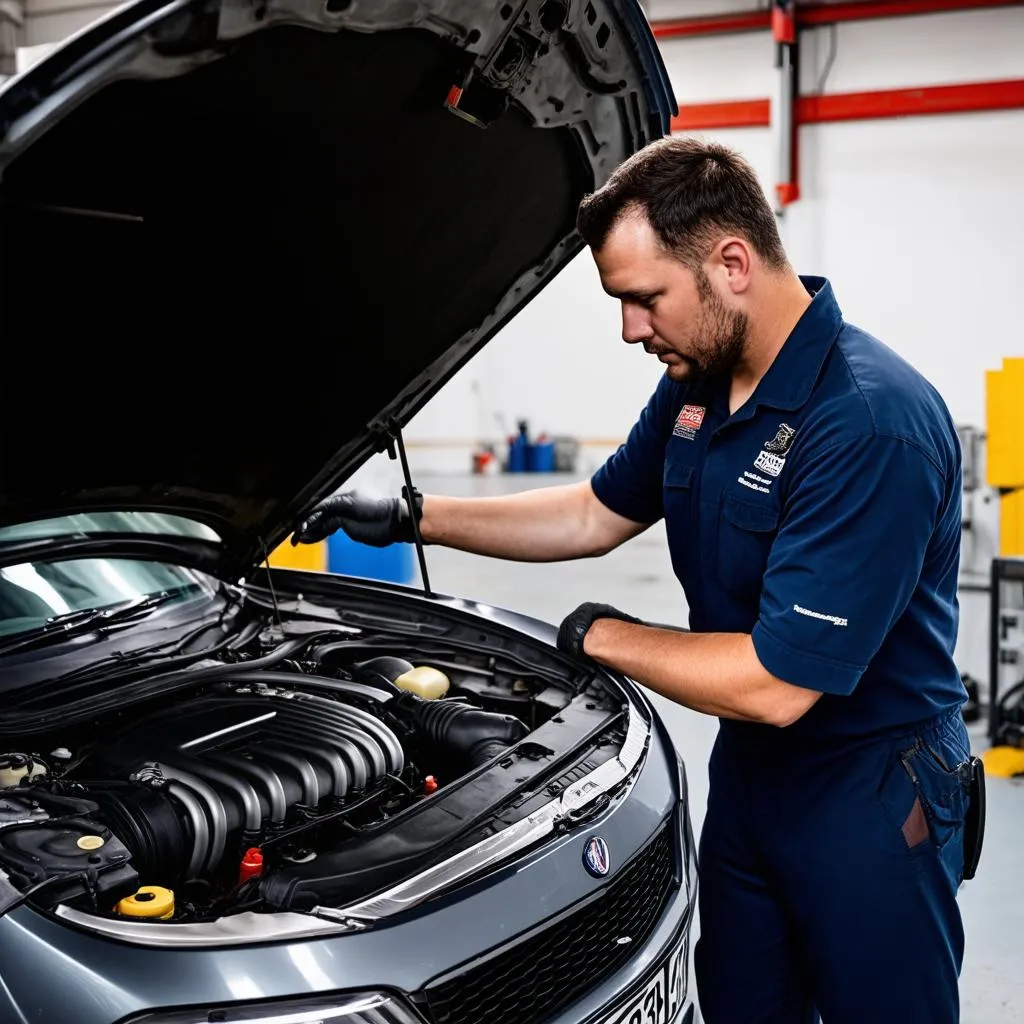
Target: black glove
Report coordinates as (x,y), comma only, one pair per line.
(374,521)
(573,630)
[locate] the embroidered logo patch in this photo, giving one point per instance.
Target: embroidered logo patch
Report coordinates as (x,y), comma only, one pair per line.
(782,441)
(769,463)
(689,421)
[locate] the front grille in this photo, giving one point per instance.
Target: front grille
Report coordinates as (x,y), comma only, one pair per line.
(538,976)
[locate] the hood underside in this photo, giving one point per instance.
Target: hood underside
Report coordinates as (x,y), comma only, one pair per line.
(238,240)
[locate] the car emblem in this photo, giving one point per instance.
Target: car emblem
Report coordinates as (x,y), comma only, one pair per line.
(596,858)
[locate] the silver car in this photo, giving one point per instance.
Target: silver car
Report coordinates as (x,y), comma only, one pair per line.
(242,242)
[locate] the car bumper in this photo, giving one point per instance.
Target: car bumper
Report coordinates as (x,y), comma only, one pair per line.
(49,960)
(655,986)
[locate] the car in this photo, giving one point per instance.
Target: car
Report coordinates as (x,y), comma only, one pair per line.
(243,242)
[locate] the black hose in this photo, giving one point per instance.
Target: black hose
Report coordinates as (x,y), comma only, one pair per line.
(202,675)
(366,691)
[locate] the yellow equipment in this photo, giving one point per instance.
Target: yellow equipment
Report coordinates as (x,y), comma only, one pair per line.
(311,557)
(1004,762)
(1004,456)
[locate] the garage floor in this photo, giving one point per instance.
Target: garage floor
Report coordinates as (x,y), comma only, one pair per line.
(638,578)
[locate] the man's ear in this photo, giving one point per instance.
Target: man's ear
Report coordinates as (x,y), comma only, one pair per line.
(735,260)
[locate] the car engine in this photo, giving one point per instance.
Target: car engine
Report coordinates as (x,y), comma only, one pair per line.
(275,781)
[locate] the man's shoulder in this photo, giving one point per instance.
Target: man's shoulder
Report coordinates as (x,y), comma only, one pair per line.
(869,390)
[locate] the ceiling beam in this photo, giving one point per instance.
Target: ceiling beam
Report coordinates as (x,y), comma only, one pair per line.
(968,97)
(810,15)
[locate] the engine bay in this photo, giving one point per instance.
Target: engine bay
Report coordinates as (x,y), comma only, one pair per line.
(306,767)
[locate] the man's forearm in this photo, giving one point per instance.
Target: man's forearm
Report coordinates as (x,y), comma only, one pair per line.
(715,673)
(545,525)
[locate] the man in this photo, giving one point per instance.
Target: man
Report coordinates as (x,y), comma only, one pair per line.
(810,482)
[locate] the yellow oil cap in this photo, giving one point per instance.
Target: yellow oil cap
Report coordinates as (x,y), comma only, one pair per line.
(90,842)
(151,901)
(424,681)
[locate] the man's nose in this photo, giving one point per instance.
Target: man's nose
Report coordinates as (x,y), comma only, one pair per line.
(636,325)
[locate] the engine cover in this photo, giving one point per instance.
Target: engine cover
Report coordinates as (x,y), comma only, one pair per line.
(223,772)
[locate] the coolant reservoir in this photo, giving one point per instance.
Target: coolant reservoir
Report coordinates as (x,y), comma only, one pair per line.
(151,901)
(15,767)
(425,681)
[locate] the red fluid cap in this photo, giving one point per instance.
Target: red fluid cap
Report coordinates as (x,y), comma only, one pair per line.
(252,864)
(429,785)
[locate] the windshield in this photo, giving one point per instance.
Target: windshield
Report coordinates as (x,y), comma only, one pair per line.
(32,593)
(87,523)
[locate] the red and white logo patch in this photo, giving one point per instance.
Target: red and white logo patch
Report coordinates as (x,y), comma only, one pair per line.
(689,421)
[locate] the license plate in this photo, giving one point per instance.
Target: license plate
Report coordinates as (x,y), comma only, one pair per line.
(661,999)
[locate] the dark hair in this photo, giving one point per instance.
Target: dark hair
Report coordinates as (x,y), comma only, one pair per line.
(692,192)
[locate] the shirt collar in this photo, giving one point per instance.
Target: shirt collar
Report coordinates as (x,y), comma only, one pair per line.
(792,376)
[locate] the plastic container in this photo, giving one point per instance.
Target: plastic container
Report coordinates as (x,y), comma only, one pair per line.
(393,564)
(425,681)
(517,454)
(519,449)
(540,457)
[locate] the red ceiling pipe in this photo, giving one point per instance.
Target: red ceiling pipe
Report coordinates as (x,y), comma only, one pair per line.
(813,14)
(933,99)
(832,14)
(698,117)
(712,25)
(858,106)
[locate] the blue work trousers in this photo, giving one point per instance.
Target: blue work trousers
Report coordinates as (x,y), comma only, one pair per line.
(828,881)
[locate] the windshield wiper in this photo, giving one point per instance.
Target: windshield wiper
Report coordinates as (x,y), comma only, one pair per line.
(88,620)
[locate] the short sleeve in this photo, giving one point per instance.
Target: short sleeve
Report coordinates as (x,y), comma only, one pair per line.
(855,532)
(630,482)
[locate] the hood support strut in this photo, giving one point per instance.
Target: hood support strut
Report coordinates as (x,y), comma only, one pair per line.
(395,440)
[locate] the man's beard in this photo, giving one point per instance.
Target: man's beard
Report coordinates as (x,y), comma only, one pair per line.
(720,338)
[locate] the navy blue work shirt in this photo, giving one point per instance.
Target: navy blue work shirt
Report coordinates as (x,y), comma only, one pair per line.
(823,518)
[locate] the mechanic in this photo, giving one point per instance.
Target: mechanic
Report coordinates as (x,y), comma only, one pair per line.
(810,482)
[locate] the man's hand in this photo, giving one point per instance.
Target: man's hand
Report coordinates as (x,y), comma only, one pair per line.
(574,628)
(374,521)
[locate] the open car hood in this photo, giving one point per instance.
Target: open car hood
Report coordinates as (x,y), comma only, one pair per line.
(240,241)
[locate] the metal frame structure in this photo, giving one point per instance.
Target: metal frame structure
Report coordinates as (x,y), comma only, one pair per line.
(786,111)
(1003,615)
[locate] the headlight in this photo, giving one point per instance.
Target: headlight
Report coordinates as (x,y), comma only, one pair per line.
(361,1008)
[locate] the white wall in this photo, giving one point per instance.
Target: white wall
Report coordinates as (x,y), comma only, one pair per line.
(51,21)
(915,220)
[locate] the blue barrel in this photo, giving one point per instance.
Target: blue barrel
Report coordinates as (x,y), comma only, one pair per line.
(540,458)
(393,564)
(518,453)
